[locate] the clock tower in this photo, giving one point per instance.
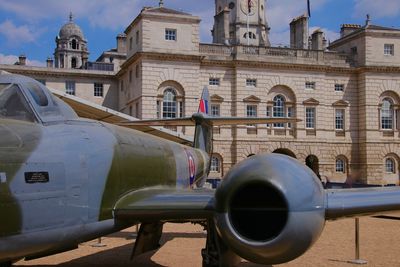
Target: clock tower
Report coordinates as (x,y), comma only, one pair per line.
(240,22)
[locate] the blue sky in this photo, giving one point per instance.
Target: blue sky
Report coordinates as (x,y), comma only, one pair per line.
(30,26)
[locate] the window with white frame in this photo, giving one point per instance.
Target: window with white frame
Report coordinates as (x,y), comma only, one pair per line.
(310,118)
(215,164)
(251,82)
(215,110)
(339,87)
(251,111)
(310,85)
(98,89)
(170,104)
(339,119)
(340,165)
(388,49)
(70,87)
(278,109)
(389,165)
(170,34)
(213,81)
(387,114)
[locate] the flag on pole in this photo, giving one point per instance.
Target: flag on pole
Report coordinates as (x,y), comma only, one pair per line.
(308,8)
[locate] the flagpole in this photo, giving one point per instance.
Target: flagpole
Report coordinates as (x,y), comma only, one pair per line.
(248,29)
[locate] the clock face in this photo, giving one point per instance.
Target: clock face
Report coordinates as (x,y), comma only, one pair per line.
(248,7)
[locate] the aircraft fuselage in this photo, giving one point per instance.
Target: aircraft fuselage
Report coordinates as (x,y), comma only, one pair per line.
(72,173)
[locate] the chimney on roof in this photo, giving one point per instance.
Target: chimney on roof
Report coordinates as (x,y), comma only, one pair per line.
(299,32)
(346,29)
(317,40)
(22,60)
(121,43)
(49,62)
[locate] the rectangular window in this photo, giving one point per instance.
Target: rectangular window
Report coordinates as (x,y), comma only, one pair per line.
(137,110)
(130,43)
(213,81)
(339,119)
(122,86)
(130,76)
(310,85)
(158,109)
(137,71)
(70,87)
(339,87)
(215,112)
(98,89)
(137,37)
(388,49)
(251,82)
(310,118)
(251,112)
(289,114)
(170,34)
(181,109)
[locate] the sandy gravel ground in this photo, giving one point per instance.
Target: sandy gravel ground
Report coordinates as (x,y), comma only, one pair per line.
(380,246)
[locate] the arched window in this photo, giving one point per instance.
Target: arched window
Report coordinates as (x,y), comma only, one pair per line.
(340,165)
(387,114)
(389,165)
(278,109)
(215,164)
(169,104)
(73,63)
(251,35)
(74,44)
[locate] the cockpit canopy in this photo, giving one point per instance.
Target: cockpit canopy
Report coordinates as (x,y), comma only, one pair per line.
(23,98)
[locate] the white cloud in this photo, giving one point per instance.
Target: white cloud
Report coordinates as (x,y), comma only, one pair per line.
(17,34)
(377,8)
(281,12)
(101,13)
(11,59)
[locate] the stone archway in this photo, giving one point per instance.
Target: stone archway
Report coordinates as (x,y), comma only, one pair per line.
(313,163)
(285,151)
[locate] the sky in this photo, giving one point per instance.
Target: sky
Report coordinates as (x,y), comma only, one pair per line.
(29,27)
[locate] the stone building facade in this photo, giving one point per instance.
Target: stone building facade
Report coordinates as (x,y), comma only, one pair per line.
(346,96)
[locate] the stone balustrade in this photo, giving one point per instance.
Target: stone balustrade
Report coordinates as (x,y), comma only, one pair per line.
(274,54)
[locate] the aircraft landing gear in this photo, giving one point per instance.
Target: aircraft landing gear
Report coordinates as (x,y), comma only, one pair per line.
(216,253)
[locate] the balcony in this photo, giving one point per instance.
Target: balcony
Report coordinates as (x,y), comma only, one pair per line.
(274,55)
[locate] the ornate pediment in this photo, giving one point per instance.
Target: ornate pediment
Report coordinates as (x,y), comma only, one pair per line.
(216,99)
(252,98)
(341,103)
(311,101)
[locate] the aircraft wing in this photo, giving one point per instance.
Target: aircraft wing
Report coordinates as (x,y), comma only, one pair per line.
(269,208)
(87,109)
(157,204)
(214,121)
(361,202)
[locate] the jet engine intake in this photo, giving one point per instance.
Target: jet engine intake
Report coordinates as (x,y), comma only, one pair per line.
(270,209)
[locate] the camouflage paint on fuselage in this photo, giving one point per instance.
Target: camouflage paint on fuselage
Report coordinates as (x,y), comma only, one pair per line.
(143,161)
(17,141)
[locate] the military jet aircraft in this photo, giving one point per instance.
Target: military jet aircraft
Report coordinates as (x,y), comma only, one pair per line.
(65,180)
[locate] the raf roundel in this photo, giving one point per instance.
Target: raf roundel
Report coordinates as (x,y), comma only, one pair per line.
(192,167)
